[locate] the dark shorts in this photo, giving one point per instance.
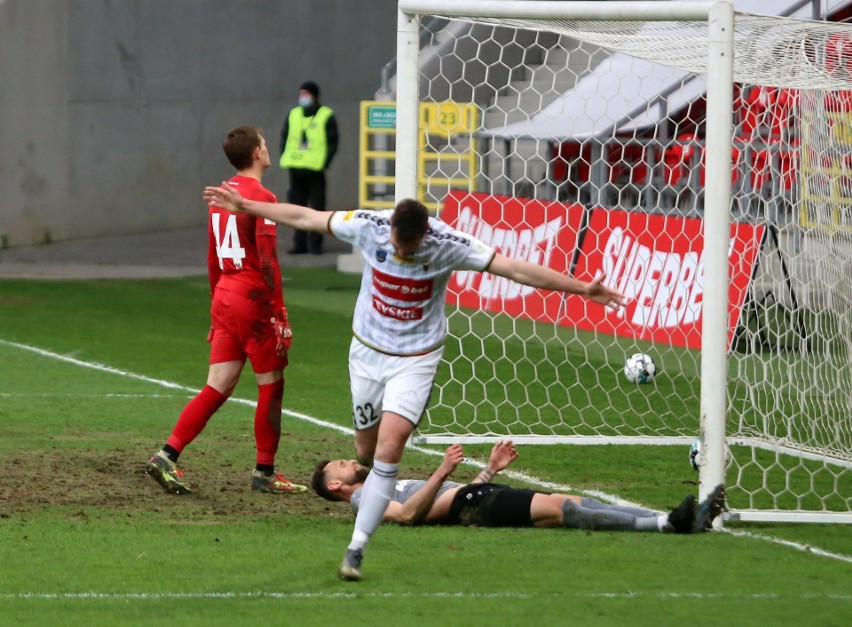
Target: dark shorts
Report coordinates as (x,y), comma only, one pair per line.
(491,505)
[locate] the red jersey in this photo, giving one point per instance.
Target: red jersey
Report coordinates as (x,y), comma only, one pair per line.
(242,252)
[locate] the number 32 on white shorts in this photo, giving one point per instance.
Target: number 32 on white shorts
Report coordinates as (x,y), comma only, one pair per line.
(392,383)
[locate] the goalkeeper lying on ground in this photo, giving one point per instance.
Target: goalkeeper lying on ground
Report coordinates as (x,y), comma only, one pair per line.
(486,504)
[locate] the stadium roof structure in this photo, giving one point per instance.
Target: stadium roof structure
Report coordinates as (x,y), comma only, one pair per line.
(632,94)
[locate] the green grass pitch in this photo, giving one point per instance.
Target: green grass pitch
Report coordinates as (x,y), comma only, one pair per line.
(92,377)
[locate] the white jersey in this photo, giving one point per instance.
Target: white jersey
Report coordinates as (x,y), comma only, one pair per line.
(400,308)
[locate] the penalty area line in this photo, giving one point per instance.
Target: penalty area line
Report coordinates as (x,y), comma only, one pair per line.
(615,595)
(348,431)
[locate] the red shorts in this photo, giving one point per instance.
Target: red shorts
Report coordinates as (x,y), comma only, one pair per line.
(242,328)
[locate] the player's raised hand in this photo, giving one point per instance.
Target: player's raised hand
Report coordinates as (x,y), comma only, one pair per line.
(453,456)
(225,196)
(598,292)
(503,454)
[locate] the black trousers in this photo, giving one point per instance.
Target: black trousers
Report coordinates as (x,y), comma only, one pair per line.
(307,188)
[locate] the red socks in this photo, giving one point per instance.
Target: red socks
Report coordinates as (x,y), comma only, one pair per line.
(194,417)
(267,421)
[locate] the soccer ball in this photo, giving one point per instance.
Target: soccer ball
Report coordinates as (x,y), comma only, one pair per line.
(695,454)
(640,368)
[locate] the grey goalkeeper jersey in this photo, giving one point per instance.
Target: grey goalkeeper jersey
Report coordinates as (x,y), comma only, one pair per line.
(405,488)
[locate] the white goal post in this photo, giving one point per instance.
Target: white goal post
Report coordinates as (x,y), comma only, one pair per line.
(702,42)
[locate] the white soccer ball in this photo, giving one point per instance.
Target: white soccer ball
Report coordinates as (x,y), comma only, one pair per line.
(695,455)
(640,368)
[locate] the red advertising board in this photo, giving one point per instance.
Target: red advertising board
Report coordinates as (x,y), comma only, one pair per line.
(655,260)
(542,232)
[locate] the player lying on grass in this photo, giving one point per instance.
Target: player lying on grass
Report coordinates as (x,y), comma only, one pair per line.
(485,504)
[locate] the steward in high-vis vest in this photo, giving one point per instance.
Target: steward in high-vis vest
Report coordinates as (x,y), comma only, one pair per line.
(308,144)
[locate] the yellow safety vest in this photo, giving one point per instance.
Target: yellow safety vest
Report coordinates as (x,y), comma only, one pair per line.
(307,146)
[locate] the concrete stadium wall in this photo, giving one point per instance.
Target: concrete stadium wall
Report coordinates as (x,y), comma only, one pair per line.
(112,112)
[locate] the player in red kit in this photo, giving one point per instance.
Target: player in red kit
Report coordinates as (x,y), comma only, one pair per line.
(248,321)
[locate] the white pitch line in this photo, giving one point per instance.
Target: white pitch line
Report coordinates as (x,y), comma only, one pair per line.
(555,487)
(83,395)
(807,548)
(156,596)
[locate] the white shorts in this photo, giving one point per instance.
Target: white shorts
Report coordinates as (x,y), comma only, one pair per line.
(381,382)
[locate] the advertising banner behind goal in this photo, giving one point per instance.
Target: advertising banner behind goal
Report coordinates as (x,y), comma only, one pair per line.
(541,232)
(655,260)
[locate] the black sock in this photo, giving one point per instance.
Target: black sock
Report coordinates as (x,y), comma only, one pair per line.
(171,453)
(266,469)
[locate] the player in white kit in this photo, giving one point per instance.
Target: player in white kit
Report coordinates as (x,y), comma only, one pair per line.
(399,325)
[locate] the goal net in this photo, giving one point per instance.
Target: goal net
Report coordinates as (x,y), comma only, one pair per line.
(701,159)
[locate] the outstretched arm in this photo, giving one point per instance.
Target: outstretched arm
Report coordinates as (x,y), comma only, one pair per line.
(296,216)
(502,455)
(541,277)
(415,511)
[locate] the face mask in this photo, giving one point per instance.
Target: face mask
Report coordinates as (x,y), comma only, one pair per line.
(305,101)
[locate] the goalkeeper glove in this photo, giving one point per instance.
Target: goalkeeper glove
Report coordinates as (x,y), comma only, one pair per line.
(283,333)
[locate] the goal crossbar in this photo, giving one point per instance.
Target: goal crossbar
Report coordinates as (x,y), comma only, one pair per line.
(521,9)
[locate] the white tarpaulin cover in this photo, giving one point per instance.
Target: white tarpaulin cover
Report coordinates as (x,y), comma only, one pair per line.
(623,87)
